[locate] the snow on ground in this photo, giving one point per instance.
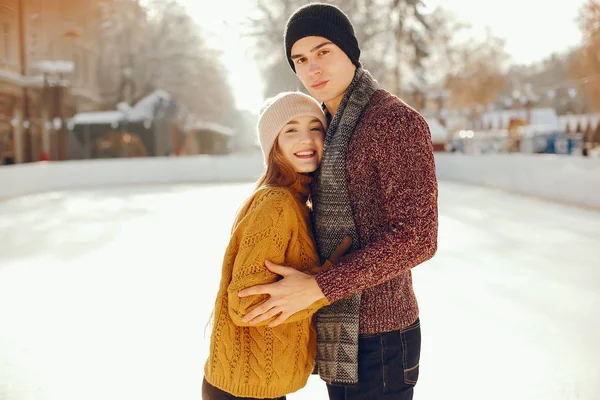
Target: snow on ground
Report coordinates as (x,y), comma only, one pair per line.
(104,294)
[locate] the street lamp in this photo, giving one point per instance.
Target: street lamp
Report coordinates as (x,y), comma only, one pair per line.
(55,69)
(127,93)
(23,62)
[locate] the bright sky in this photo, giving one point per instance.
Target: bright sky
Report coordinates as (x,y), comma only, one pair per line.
(220,21)
(533,29)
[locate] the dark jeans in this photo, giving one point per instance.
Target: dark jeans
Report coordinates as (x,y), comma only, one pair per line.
(209,392)
(388,366)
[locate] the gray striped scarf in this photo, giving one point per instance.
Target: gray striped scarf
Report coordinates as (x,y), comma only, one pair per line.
(338,324)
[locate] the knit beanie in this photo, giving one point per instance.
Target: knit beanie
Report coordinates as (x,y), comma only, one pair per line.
(325,20)
(277,111)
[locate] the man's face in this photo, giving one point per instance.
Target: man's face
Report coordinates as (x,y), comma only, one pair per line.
(323,68)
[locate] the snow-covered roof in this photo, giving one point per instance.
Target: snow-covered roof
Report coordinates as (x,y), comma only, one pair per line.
(29,81)
(213,127)
(124,107)
(571,122)
(438,132)
(12,77)
(97,118)
(55,66)
(18,79)
(144,110)
(539,116)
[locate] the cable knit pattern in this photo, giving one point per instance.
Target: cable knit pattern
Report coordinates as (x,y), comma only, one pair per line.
(258,361)
(393,191)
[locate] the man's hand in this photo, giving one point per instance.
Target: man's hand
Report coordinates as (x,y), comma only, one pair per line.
(295,292)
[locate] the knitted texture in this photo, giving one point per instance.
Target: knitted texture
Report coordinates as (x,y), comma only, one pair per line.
(281,109)
(338,324)
(390,171)
(325,20)
(258,361)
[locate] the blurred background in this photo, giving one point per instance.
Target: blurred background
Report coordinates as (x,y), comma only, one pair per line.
(127,144)
(126,78)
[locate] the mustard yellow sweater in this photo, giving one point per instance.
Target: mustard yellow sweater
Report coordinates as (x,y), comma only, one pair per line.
(258,361)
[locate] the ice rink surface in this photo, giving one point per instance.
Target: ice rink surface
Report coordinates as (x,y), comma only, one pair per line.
(105,293)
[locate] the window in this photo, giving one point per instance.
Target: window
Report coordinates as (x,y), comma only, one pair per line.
(5,48)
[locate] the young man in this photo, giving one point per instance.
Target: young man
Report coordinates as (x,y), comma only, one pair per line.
(376,184)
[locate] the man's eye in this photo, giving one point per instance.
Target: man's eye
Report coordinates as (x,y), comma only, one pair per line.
(300,60)
(323,52)
(291,130)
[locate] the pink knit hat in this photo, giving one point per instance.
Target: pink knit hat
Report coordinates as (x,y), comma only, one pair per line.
(277,111)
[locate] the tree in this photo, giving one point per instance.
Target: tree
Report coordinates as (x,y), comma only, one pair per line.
(444,55)
(183,65)
(547,83)
(122,24)
(390,32)
(159,46)
(476,78)
(585,65)
(410,35)
(445,50)
(266,27)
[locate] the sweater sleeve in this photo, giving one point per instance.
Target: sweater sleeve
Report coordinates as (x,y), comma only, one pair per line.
(265,236)
(405,167)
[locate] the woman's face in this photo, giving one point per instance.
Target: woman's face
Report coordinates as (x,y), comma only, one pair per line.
(301,143)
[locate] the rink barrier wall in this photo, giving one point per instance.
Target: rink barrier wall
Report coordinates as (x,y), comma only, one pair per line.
(568,179)
(562,178)
(23,179)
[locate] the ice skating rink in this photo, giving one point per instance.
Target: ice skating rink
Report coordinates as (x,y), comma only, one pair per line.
(105,293)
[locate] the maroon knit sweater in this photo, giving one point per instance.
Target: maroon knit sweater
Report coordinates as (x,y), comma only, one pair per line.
(393,193)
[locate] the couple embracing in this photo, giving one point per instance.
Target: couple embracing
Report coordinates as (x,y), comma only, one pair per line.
(317,273)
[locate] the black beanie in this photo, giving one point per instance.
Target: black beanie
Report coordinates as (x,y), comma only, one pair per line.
(325,20)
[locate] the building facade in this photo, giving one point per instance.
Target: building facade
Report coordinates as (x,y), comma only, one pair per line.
(57,79)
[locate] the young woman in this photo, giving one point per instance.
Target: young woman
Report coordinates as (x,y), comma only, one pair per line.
(246,360)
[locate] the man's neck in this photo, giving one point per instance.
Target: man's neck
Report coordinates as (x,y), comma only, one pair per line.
(333,104)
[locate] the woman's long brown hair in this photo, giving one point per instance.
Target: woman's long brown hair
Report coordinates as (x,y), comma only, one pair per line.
(279,173)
